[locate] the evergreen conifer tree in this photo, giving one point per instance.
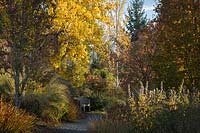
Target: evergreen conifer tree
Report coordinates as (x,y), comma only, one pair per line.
(136,18)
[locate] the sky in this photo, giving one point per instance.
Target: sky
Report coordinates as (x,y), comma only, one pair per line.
(149,5)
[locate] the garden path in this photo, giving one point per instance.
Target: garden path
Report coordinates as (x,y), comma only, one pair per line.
(77,127)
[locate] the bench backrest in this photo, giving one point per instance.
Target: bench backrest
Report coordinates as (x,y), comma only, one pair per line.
(84,101)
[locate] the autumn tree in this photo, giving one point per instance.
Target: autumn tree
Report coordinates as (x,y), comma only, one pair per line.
(139,56)
(178,43)
(79,23)
(25,41)
(138,60)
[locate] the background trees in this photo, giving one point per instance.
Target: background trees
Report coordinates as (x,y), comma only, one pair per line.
(177,39)
(171,42)
(41,35)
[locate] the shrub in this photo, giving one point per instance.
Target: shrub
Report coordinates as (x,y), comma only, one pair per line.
(103,101)
(183,120)
(14,120)
(98,102)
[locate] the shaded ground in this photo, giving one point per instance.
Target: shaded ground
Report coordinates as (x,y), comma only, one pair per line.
(78,127)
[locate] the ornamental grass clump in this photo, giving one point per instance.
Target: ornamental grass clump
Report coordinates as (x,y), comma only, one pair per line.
(52,103)
(13,119)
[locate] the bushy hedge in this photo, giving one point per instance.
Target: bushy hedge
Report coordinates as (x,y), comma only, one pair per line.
(14,120)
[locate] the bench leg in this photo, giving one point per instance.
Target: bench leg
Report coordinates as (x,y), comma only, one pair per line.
(84,108)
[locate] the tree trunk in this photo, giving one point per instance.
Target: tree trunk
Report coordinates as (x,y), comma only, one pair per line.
(17,90)
(18,93)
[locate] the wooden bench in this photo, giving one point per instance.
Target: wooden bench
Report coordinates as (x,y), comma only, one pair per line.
(84,102)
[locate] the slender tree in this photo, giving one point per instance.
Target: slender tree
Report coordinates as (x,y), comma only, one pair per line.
(24,41)
(116,39)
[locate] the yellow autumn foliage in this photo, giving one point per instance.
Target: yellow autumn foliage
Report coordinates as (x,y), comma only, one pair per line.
(80,23)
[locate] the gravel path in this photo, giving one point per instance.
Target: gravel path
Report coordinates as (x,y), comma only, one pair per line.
(79,127)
